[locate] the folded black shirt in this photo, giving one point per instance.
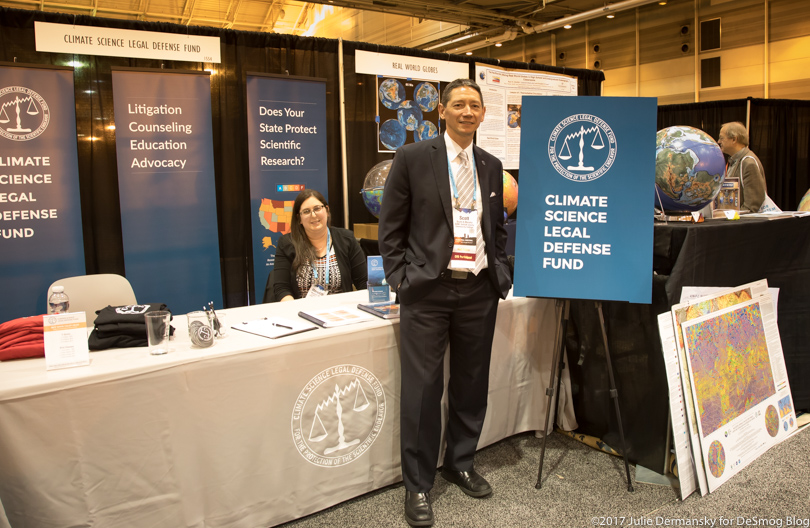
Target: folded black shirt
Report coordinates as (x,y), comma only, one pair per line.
(132,313)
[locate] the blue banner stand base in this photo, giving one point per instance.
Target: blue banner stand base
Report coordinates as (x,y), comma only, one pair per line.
(563,308)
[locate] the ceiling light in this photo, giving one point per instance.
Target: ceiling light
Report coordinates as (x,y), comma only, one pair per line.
(469,53)
(498,44)
(611,16)
(662,2)
(567,26)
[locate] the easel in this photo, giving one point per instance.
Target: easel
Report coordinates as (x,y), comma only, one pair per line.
(563,307)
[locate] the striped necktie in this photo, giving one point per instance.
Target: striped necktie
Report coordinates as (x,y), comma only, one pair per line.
(466,185)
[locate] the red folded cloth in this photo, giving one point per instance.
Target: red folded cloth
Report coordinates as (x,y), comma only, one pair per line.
(22,338)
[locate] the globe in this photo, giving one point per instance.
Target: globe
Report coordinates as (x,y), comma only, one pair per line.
(510,193)
(392,134)
(689,168)
(426,97)
(425,130)
(409,115)
(391,93)
(373,187)
(804,204)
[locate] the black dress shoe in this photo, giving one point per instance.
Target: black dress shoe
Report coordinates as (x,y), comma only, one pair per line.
(470,482)
(417,509)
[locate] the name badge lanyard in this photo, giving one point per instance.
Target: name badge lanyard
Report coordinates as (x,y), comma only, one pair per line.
(455,189)
(465,226)
(315,269)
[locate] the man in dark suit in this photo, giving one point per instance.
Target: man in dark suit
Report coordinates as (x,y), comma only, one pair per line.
(443,243)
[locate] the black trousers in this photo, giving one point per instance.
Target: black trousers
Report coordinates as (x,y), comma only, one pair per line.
(461,312)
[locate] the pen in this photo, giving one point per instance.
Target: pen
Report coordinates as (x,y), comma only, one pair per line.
(282,326)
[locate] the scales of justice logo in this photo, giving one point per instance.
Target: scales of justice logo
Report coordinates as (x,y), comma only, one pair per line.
(24,114)
(338,415)
(582,147)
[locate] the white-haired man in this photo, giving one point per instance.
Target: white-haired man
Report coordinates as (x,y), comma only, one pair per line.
(744,165)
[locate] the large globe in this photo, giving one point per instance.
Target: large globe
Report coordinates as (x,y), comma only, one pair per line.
(373,187)
(689,168)
(804,204)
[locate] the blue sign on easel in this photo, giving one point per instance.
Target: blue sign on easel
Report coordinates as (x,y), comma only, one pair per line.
(587,169)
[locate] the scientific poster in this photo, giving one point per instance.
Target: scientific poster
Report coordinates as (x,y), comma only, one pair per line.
(687,311)
(682,443)
(503,90)
(739,385)
(407,112)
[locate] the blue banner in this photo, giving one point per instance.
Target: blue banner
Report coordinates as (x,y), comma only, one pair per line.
(586,224)
(287,147)
(166,187)
(40,212)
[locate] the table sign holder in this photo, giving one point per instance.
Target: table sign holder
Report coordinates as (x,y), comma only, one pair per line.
(553,390)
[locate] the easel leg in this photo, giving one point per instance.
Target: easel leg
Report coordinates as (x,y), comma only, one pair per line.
(614,394)
(554,378)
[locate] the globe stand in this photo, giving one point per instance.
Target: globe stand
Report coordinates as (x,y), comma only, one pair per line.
(563,307)
(662,215)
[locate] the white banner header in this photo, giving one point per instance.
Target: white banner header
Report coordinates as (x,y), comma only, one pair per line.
(404,66)
(113,42)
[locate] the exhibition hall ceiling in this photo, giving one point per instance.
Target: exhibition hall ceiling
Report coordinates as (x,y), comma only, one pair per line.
(471,20)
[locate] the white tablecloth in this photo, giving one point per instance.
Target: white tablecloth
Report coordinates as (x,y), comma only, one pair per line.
(251,432)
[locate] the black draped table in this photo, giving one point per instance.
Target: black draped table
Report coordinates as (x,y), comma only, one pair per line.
(714,253)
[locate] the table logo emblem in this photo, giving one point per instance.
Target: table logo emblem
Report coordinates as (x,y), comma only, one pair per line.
(582,147)
(338,415)
(24,114)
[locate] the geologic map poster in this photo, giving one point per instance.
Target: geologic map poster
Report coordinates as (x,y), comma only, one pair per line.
(739,386)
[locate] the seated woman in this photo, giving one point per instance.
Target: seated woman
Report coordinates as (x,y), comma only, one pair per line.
(315,259)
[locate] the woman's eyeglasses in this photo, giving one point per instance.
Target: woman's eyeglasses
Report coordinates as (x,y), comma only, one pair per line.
(317,209)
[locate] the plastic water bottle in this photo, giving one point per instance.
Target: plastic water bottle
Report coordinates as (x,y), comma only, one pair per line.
(58,302)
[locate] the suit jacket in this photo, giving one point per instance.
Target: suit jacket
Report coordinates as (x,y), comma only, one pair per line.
(350,258)
(416,220)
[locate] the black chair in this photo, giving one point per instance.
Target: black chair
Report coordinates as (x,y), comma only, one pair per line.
(269,293)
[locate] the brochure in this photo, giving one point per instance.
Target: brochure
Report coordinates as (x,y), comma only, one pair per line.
(386,310)
(378,290)
(337,316)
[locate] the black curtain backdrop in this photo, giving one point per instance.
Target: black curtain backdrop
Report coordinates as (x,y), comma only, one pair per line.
(779,136)
(241,52)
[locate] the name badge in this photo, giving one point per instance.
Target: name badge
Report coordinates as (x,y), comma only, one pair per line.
(465,229)
(316,291)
